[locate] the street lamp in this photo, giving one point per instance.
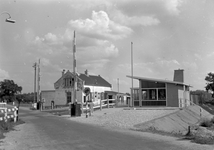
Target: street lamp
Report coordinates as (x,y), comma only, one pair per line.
(8,19)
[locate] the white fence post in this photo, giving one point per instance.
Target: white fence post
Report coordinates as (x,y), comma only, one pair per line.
(100,104)
(108,103)
(5,115)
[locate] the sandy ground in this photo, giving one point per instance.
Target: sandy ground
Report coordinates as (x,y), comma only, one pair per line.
(26,134)
(122,118)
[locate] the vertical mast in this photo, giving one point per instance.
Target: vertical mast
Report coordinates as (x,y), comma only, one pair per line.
(132,99)
(74,68)
(34,66)
(38,81)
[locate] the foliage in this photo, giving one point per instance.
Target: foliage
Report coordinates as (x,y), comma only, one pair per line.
(203,96)
(27,97)
(212,120)
(210,82)
(87,91)
(8,89)
(206,123)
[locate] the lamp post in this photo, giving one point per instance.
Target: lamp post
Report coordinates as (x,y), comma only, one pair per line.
(132,99)
(8,19)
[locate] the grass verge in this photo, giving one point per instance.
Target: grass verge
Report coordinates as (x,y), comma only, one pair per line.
(8,126)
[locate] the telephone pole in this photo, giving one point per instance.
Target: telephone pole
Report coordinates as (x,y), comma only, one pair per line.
(132,99)
(118,85)
(34,66)
(38,81)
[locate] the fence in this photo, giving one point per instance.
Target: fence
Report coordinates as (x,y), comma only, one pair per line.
(103,103)
(7,112)
(186,103)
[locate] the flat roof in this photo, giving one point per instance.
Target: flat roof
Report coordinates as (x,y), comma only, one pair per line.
(158,80)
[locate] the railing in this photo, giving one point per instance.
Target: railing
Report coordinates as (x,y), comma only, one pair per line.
(8,115)
(3,105)
(198,109)
(101,104)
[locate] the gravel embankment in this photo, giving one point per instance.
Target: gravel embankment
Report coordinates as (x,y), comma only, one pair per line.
(121,118)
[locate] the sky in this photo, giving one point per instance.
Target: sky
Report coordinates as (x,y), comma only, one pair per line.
(166,35)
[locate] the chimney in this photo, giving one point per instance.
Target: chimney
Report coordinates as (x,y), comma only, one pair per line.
(179,75)
(86,72)
(63,72)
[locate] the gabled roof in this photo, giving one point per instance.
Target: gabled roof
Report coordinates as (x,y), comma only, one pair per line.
(66,74)
(93,80)
(90,80)
(158,80)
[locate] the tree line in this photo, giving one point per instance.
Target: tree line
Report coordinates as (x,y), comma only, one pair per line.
(10,91)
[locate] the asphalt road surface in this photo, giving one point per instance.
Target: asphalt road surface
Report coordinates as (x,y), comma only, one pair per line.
(43,131)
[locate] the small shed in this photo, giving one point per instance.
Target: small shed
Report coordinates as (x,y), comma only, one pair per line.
(158,92)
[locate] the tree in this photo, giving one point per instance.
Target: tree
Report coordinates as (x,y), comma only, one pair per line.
(210,82)
(8,89)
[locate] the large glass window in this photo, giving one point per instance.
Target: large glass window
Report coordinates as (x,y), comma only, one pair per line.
(161,94)
(149,94)
(136,94)
(145,95)
(152,94)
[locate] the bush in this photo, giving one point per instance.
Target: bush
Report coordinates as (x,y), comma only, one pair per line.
(212,120)
(206,123)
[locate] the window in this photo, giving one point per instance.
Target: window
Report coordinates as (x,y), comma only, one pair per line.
(149,94)
(110,96)
(161,94)
(136,94)
(144,95)
(152,94)
(68,97)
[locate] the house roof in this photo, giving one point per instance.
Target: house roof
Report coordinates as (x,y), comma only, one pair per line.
(90,80)
(66,74)
(158,80)
(93,80)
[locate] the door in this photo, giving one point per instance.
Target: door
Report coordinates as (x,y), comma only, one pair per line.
(181,98)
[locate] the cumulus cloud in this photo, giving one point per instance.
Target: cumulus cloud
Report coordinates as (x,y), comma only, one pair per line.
(172,6)
(3,75)
(95,64)
(136,20)
(45,62)
(100,26)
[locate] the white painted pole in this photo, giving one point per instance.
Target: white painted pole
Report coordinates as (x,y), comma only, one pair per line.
(74,68)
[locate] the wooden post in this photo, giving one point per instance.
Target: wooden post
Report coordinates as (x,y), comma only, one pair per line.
(100,104)
(117,100)
(107,102)
(15,114)
(86,109)
(5,115)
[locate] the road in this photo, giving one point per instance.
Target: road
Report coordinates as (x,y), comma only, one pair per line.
(43,131)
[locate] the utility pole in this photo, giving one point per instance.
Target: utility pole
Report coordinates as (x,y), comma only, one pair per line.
(74,69)
(38,81)
(118,87)
(132,99)
(34,66)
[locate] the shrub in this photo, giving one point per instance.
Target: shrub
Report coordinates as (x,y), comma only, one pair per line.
(206,123)
(212,120)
